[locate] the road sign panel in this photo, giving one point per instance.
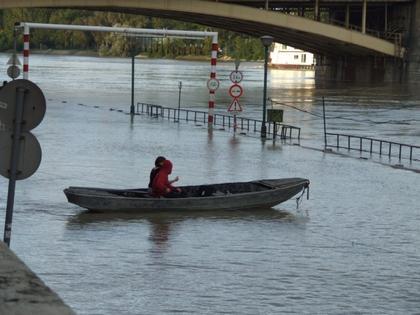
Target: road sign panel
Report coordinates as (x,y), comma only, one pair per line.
(14,60)
(235,91)
(237,62)
(29,157)
(213,84)
(13,72)
(34,104)
(236,76)
(235,106)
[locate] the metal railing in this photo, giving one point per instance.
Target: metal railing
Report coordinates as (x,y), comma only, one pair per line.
(227,121)
(370,145)
(353,27)
(392,36)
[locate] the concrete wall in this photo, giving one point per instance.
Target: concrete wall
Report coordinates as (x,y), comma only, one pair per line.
(22,292)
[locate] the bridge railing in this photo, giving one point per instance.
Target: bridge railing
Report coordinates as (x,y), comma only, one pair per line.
(226,121)
(354,27)
(370,145)
(393,36)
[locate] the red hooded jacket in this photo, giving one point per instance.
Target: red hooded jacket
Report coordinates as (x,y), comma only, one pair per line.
(161,181)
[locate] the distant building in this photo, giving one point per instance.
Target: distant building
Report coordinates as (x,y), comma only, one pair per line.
(289,58)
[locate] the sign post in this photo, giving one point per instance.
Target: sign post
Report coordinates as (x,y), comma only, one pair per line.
(179,98)
(17,130)
(22,109)
(235,91)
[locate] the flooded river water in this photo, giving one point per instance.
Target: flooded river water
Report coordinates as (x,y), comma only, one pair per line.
(352,248)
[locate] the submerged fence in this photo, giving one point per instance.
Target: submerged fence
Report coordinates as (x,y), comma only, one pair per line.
(228,121)
(373,146)
(339,141)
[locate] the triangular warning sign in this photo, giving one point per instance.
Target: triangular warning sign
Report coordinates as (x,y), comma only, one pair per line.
(14,60)
(235,106)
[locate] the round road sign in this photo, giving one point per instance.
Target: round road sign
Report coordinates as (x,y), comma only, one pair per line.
(235,91)
(29,156)
(213,84)
(34,105)
(13,72)
(236,76)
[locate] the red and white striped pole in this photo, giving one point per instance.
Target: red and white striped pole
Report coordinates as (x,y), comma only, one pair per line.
(26,37)
(212,75)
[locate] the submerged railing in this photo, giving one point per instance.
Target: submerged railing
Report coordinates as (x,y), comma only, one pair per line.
(370,145)
(229,121)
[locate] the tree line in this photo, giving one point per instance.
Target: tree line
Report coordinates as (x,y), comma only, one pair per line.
(115,45)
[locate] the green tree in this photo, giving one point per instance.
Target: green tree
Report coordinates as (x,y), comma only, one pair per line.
(231,44)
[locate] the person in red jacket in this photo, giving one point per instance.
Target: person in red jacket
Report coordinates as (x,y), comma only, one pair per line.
(154,171)
(161,185)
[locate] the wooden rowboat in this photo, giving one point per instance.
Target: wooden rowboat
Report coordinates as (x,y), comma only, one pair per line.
(242,195)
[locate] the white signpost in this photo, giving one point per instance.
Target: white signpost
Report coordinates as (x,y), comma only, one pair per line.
(235,91)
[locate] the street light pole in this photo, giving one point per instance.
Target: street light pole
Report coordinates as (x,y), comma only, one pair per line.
(133,55)
(179,99)
(266,41)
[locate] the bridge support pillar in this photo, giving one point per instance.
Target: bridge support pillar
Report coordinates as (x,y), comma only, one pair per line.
(368,69)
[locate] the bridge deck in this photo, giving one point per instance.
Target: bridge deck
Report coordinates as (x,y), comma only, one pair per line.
(291,30)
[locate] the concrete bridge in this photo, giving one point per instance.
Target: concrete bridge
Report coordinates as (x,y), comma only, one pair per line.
(344,51)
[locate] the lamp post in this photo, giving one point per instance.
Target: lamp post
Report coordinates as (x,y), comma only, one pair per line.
(266,41)
(133,55)
(134,50)
(179,99)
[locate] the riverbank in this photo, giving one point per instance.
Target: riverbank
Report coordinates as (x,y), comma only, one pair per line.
(95,53)
(22,292)
(66,52)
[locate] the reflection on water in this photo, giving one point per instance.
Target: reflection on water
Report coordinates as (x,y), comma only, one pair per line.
(162,226)
(87,218)
(159,234)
